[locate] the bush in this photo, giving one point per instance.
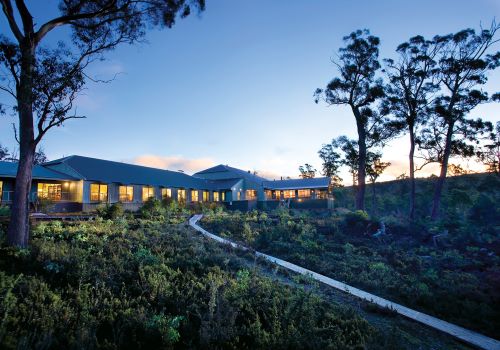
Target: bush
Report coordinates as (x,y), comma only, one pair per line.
(153,209)
(356,222)
(4,211)
(111,212)
(89,285)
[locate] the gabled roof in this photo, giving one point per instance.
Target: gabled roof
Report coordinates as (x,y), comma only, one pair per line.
(9,169)
(230,171)
(107,171)
(225,184)
(294,184)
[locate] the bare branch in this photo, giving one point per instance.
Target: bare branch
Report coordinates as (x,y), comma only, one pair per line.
(9,13)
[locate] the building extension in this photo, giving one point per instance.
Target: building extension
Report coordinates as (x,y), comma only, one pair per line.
(81,184)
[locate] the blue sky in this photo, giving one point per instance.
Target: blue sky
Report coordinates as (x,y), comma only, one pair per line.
(234,85)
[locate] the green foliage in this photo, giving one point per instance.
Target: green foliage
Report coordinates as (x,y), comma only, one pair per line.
(357,222)
(140,283)
(153,209)
(453,280)
(4,210)
(111,212)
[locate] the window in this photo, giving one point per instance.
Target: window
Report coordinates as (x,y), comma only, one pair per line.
(181,195)
(277,194)
(194,195)
(304,193)
(206,196)
(1,189)
(239,196)
(166,193)
(98,192)
(321,194)
(52,192)
(216,196)
(289,193)
(269,194)
(223,196)
(251,195)
(126,193)
(147,192)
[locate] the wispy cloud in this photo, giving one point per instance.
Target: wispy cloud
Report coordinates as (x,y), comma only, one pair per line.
(174,162)
(268,174)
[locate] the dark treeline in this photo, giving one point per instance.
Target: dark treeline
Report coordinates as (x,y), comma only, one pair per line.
(426,91)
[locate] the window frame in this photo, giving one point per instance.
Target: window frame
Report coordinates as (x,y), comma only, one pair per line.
(181,194)
(166,193)
(206,196)
(251,195)
(99,192)
(303,191)
(127,194)
(150,192)
(195,194)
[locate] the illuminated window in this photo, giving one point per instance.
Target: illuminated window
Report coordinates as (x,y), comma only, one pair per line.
(321,194)
(194,195)
(126,193)
(206,196)
(216,196)
(98,192)
(277,194)
(49,191)
(251,195)
(147,192)
(223,196)
(289,193)
(304,193)
(239,196)
(1,189)
(181,195)
(269,194)
(166,193)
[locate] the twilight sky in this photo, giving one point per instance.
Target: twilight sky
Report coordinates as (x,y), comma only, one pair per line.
(235,84)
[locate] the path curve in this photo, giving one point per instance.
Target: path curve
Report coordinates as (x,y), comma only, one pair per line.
(458,332)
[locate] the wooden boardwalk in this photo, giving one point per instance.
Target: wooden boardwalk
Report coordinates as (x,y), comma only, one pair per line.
(468,336)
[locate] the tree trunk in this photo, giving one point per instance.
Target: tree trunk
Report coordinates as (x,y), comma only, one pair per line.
(374,199)
(360,194)
(18,231)
(438,189)
(412,172)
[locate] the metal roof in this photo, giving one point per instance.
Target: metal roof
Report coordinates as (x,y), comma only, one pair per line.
(9,169)
(294,184)
(223,184)
(233,172)
(93,169)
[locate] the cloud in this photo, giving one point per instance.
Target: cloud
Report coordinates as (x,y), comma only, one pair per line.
(174,163)
(268,174)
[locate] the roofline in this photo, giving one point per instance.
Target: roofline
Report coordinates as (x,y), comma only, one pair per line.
(42,178)
(63,160)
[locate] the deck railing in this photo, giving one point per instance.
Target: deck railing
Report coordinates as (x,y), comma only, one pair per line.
(8,196)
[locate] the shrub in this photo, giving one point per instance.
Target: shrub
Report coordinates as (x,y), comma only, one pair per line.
(356,222)
(153,209)
(4,210)
(111,212)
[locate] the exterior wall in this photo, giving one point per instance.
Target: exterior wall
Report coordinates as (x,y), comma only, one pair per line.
(242,205)
(71,195)
(297,203)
